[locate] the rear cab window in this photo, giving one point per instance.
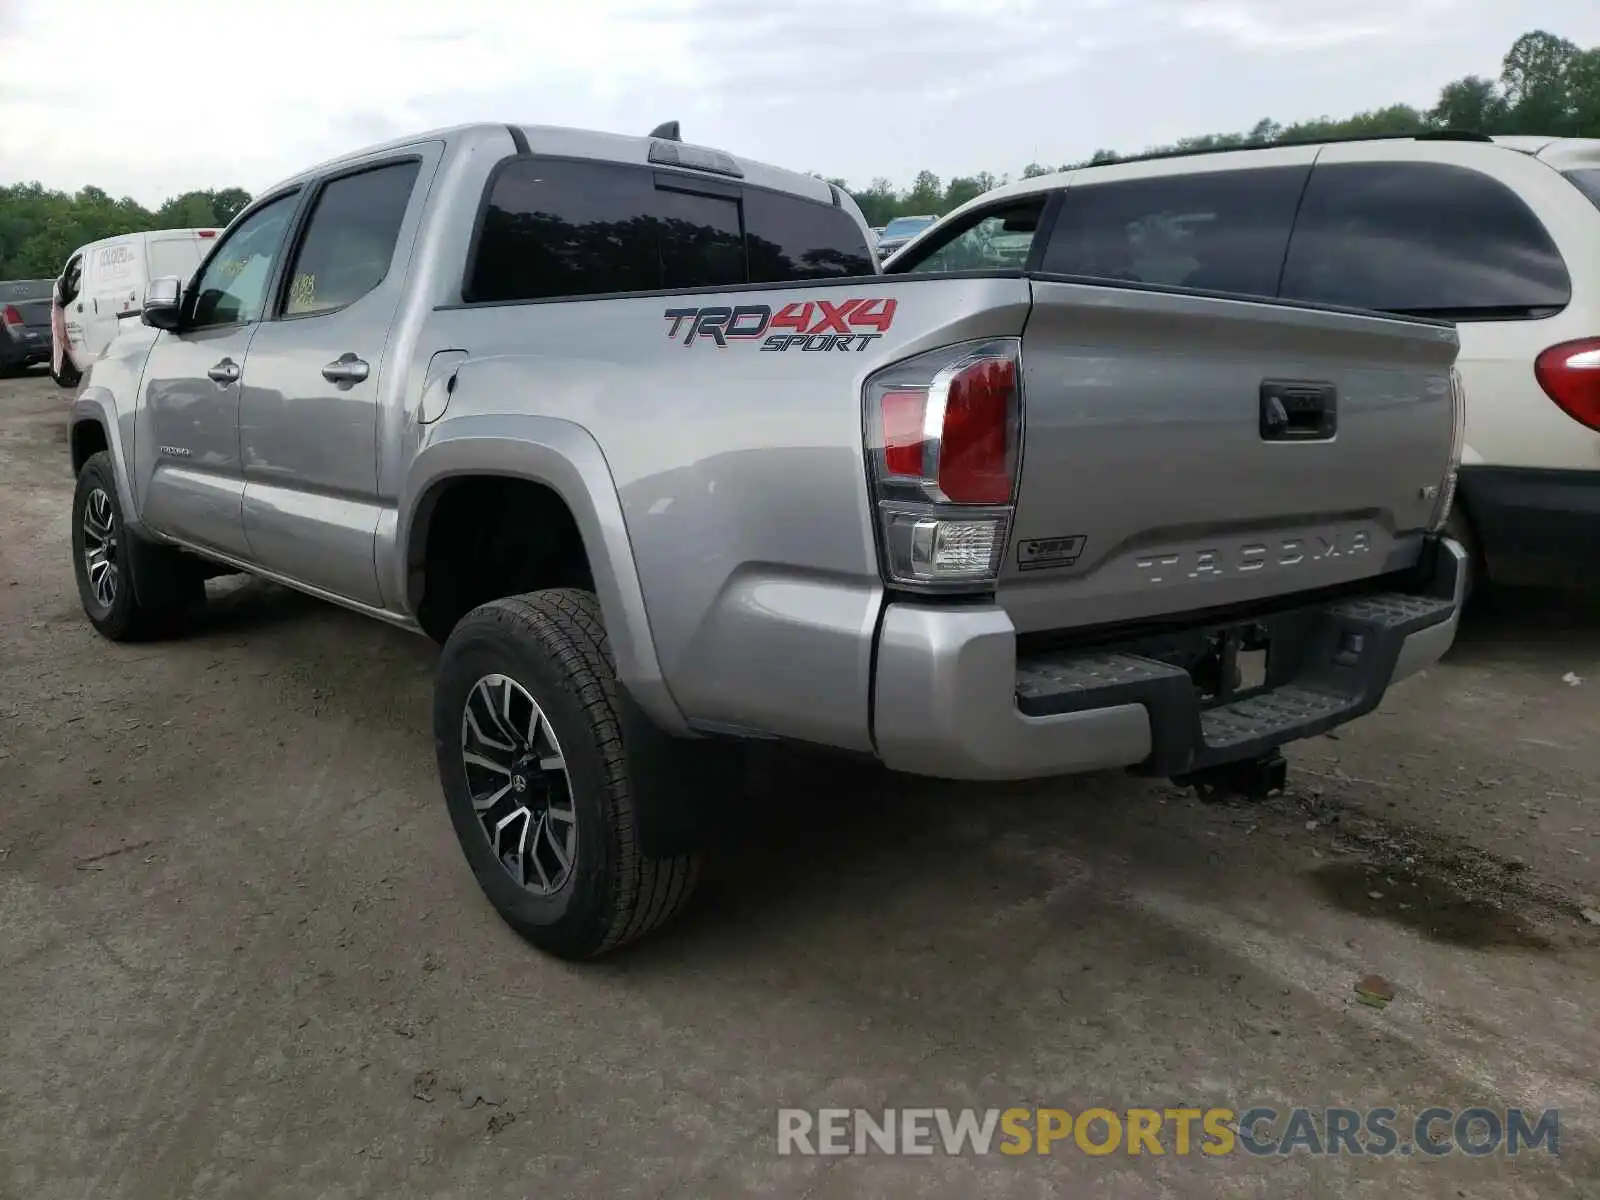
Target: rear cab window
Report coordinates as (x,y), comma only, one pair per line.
(559,228)
(1422,238)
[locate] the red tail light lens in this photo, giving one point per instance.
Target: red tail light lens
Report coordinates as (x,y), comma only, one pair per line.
(208,233)
(976,413)
(1570,375)
(11,316)
(977,452)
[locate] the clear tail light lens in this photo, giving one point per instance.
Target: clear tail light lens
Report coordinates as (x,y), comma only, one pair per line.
(1458,439)
(944,437)
(1570,375)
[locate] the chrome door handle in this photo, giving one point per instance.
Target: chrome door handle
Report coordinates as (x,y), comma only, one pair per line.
(226,371)
(347,368)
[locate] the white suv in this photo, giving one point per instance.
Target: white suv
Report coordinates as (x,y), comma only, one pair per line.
(1499,235)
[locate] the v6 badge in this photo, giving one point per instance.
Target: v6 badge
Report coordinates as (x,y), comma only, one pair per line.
(1037,553)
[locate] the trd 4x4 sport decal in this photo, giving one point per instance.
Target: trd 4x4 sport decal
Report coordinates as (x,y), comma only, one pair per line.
(808,325)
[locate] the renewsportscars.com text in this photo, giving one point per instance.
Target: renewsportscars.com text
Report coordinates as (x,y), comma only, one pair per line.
(1259,1130)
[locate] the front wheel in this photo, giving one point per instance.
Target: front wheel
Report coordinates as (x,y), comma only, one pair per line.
(537,777)
(106,558)
(67,376)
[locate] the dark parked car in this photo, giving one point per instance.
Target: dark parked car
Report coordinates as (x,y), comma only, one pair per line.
(24,323)
(900,231)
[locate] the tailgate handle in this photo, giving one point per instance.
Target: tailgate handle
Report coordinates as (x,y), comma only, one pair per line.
(1295,411)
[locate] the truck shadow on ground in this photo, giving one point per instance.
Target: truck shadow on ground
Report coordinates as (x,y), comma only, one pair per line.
(810,834)
(1530,625)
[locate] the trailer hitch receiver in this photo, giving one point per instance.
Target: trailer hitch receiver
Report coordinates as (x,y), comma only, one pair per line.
(1249,779)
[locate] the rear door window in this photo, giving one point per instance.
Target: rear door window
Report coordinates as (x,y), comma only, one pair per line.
(350,239)
(1426,238)
(1224,231)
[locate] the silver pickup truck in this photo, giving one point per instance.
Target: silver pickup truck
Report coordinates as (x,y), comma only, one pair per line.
(639,433)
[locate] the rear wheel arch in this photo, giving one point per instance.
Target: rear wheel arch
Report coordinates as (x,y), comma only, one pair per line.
(482,536)
(563,458)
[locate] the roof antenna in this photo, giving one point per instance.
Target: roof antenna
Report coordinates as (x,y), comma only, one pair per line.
(667,130)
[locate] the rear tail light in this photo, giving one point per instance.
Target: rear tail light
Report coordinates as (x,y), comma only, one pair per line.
(11,318)
(1570,375)
(208,233)
(944,436)
(1458,438)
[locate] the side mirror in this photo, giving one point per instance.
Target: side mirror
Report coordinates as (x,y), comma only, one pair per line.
(163,303)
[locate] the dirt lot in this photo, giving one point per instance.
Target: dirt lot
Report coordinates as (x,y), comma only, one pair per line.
(241,956)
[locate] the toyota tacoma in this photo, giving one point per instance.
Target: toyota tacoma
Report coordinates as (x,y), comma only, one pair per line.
(641,435)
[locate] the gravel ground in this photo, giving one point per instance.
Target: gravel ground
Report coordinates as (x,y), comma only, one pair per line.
(241,955)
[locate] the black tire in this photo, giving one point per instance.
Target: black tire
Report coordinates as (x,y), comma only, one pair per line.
(68,377)
(553,645)
(153,587)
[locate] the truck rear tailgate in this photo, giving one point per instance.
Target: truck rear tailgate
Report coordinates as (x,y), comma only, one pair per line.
(1184,452)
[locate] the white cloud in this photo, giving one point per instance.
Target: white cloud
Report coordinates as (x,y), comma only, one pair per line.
(166,95)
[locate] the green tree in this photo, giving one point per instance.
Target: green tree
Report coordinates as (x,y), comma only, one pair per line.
(39,229)
(926,194)
(1537,82)
(1471,105)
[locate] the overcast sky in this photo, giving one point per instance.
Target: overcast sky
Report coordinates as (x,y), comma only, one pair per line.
(161,96)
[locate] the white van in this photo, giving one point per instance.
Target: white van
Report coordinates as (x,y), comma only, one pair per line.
(104,282)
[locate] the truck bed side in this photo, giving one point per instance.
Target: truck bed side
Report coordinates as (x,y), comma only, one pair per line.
(738,457)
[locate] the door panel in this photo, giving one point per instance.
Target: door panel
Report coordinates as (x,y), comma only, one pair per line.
(195,487)
(187,430)
(308,426)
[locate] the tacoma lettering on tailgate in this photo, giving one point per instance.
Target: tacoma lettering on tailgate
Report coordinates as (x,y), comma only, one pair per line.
(807,325)
(1252,556)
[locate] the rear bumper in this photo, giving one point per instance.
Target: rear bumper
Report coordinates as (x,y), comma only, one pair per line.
(951,698)
(1535,527)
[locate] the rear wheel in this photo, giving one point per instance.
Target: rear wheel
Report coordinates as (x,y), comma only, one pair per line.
(130,588)
(538,781)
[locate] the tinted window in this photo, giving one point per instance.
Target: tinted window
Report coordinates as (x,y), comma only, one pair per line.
(582,229)
(992,239)
(790,238)
(1421,237)
(350,239)
(1223,231)
(697,239)
(1588,182)
(233,287)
